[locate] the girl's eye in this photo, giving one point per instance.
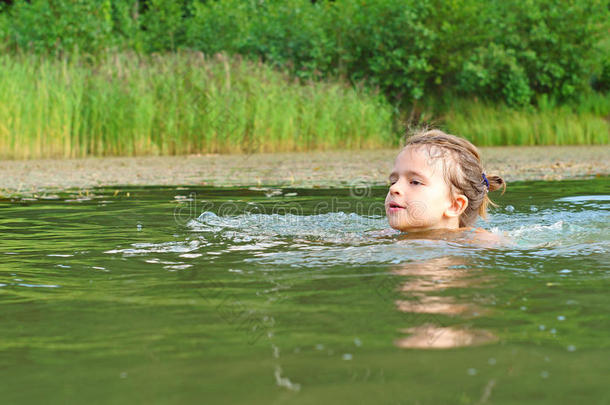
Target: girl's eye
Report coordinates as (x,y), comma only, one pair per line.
(415,182)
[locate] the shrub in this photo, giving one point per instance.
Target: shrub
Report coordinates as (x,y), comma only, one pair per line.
(500,50)
(61,26)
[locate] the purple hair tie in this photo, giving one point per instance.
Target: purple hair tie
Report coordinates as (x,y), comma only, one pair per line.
(486,181)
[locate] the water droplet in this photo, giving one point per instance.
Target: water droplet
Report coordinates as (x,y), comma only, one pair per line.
(523,308)
(491,361)
(346,356)
(571,348)
(565,271)
(533,208)
(509,208)
(319,346)
(472,371)
(541,327)
(553,331)
(561,318)
(357,342)
(544,374)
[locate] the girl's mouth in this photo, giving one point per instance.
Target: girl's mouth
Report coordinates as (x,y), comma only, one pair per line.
(393,207)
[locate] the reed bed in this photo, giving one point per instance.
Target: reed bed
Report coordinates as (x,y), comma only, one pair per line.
(186,103)
(177,104)
(584,121)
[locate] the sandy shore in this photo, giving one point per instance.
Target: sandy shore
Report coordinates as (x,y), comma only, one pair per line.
(310,169)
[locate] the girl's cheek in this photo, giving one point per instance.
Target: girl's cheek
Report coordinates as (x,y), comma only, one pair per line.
(417,211)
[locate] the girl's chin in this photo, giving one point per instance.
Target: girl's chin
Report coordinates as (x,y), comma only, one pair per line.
(401,226)
(407,227)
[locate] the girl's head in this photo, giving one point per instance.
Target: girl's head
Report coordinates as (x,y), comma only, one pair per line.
(438,182)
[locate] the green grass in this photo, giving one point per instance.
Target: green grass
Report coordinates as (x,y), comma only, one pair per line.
(585,121)
(177,104)
(186,103)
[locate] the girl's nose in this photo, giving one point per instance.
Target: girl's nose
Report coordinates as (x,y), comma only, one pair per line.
(395,190)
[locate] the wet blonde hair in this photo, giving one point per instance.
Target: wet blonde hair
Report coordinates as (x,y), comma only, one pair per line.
(462,168)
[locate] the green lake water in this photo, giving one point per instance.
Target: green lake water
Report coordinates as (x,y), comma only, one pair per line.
(175,295)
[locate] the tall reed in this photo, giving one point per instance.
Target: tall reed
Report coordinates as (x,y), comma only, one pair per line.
(177,104)
(586,121)
(171,104)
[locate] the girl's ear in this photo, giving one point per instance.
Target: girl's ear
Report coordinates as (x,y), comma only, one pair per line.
(458,206)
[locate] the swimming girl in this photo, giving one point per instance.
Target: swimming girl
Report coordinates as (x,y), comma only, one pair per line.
(438,184)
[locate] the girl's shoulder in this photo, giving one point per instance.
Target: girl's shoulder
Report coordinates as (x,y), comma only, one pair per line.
(483,237)
(469,236)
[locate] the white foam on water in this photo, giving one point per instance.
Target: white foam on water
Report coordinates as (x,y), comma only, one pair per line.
(571,226)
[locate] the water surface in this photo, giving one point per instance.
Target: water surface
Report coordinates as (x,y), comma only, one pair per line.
(259,295)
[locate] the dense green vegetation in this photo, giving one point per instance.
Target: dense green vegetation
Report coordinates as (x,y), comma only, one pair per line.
(177,104)
(496,71)
(585,121)
(499,49)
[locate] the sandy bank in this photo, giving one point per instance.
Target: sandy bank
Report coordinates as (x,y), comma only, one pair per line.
(309,169)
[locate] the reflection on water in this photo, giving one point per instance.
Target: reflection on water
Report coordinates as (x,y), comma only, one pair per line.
(436,276)
(437,337)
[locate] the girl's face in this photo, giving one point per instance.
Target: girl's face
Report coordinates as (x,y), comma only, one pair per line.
(419,199)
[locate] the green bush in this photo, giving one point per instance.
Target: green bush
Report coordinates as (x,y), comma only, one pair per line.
(495,70)
(4,26)
(290,34)
(61,26)
(128,30)
(553,42)
(601,80)
(219,25)
(163,25)
(500,50)
(387,43)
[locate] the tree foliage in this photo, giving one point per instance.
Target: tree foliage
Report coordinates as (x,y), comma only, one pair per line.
(509,50)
